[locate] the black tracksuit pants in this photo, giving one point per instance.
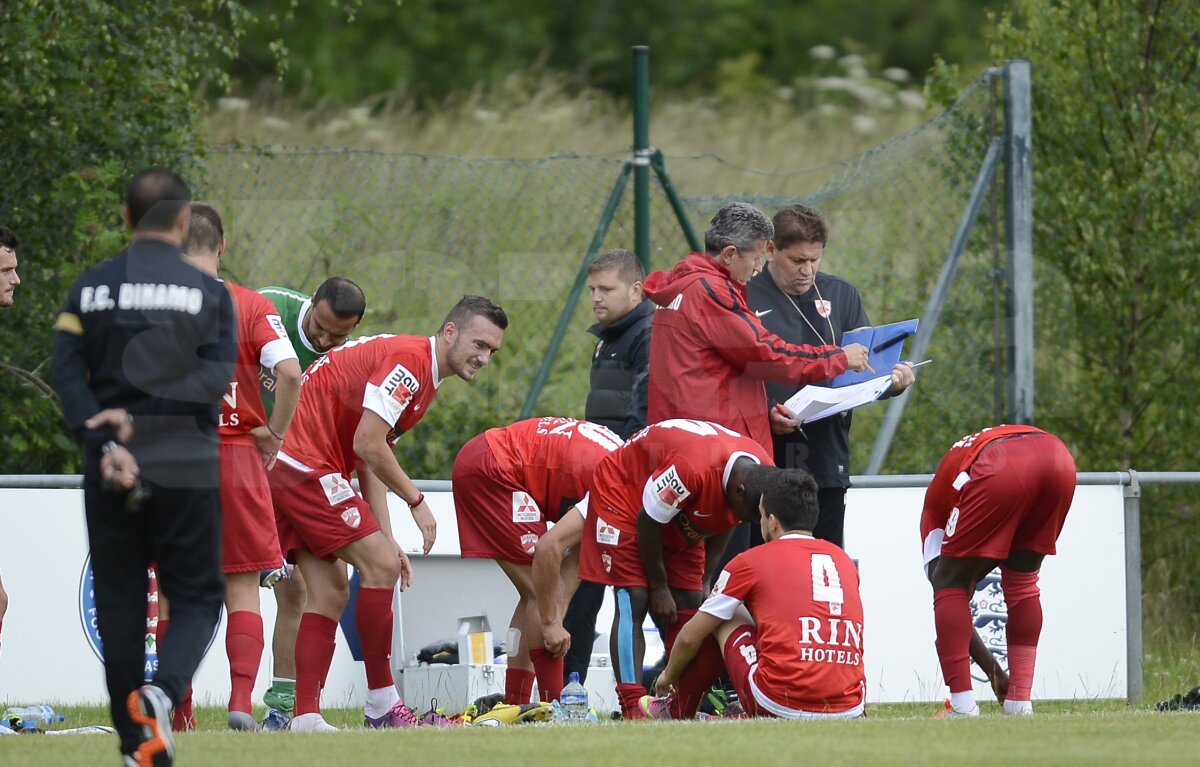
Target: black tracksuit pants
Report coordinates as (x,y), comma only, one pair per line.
(179,530)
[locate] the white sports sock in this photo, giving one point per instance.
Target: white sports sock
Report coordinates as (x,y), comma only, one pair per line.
(313,722)
(1018,707)
(380,701)
(963,702)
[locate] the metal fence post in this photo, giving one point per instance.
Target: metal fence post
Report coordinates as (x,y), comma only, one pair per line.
(1133,589)
(641,154)
(1018,224)
(689,232)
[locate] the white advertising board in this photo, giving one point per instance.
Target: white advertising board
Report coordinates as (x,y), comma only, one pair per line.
(47,653)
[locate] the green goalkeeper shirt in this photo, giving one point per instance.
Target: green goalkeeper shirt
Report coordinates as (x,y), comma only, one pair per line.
(293,308)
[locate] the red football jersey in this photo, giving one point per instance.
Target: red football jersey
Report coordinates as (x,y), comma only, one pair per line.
(942,495)
(553,459)
(803,594)
(676,470)
(395,377)
(262,340)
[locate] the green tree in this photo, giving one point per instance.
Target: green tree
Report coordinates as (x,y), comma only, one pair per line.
(90,91)
(1116,115)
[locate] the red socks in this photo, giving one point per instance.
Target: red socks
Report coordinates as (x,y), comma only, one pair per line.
(518,686)
(952,621)
(314,653)
(629,695)
(549,671)
(701,674)
(244,647)
(373,617)
(1023,597)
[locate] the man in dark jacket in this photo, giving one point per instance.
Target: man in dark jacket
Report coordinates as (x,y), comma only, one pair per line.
(617,399)
(144,350)
(803,305)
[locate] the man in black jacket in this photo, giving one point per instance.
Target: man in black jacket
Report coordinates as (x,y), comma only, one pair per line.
(620,385)
(802,305)
(144,350)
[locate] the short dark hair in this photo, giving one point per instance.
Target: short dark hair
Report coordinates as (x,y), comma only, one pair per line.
(470,306)
(739,224)
(154,198)
(205,230)
(8,239)
(799,223)
(791,497)
(755,478)
(625,262)
(345,298)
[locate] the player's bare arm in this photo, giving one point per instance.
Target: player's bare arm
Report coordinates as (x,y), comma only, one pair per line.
(714,547)
(662,602)
(687,644)
(548,557)
(371,446)
(269,437)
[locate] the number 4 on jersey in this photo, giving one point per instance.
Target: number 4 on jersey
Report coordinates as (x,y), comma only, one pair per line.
(826,583)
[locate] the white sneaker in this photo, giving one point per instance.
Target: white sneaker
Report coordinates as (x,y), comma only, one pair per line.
(1017,707)
(314,722)
(950,712)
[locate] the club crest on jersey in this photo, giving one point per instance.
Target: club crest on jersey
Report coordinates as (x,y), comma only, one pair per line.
(524,509)
(606,560)
(401,385)
(352,518)
(824,307)
(337,488)
(606,533)
(670,488)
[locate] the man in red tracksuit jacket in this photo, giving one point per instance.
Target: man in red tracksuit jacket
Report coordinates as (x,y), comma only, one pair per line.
(709,353)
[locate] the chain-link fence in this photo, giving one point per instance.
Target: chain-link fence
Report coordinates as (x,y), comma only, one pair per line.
(418,231)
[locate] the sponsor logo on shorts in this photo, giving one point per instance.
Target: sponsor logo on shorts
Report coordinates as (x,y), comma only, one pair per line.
(606,559)
(606,533)
(352,518)
(670,488)
(524,509)
(528,541)
(990,615)
(401,385)
(337,488)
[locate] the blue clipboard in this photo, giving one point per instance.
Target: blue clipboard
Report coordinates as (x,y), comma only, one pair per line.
(885,345)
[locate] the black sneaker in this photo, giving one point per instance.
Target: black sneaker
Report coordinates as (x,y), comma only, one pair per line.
(1188,701)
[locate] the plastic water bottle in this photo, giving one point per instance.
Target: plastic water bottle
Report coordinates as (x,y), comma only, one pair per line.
(30,717)
(574,700)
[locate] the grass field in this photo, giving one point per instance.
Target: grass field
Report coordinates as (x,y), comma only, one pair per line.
(1089,732)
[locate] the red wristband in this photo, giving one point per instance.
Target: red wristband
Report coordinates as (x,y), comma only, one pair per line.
(418,502)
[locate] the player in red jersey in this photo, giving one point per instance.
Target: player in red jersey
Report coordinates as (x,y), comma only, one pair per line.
(673,486)
(354,404)
(793,646)
(249,444)
(999,497)
(508,484)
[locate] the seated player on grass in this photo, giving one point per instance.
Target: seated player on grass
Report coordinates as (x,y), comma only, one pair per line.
(787,615)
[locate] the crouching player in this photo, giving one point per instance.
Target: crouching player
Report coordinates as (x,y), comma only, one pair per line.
(999,497)
(793,646)
(508,484)
(658,516)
